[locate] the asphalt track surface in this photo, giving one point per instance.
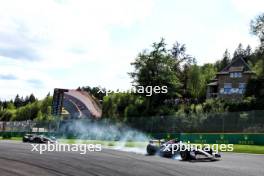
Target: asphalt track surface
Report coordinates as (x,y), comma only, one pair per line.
(17,159)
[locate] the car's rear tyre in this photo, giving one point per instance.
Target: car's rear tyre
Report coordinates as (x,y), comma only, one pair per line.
(151,149)
(25,139)
(185,155)
(37,140)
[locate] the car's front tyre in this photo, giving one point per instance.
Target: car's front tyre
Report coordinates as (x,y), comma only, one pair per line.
(185,155)
(152,149)
(25,139)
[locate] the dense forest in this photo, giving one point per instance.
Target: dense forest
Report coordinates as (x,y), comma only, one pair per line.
(28,108)
(173,67)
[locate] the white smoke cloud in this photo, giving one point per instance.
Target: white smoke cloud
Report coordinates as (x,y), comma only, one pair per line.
(105,131)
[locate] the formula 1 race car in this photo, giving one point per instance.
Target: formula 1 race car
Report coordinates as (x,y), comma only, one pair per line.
(187,152)
(33,138)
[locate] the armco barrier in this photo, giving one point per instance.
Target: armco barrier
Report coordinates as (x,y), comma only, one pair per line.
(214,138)
(165,135)
(224,138)
(209,138)
(21,134)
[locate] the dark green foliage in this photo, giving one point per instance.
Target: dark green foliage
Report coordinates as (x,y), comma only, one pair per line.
(28,111)
(197,80)
(255,87)
(160,67)
(119,106)
(5,115)
(18,102)
(246,104)
(97,92)
(257,27)
(221,64)
(240,52)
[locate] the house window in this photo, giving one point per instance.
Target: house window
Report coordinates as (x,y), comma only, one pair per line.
(242,88)
(227,88)
(235,75)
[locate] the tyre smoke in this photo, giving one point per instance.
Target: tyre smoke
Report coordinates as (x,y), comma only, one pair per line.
(117,135)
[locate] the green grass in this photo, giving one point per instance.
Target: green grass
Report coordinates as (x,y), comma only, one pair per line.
(105,143)
(13,138)
(111,144)
(82,141)
(237,148)
(255,149)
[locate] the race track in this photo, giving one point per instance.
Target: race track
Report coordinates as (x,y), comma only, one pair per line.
(16,159)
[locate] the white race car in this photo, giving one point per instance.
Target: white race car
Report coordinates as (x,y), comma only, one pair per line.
(173,147)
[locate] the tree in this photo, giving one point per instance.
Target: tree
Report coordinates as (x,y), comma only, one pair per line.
(10,106)
(183,62)
(258,68)
(45,103)
(226,58)
(224,61)
(196,82)
(254,88)
(119,106)
(257,28)
(18,102)
(208,71)
(39,116)
(178,53)
(4,104)
(6,115)
(158,68)
(248,51)
(97,92)
(32,98)
(184,80)
(239,52)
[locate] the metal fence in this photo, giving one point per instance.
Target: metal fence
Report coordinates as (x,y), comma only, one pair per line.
(27,126)
(229,122)
(226,138)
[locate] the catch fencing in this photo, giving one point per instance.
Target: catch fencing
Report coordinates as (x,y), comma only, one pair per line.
(228,122)
(214,138)
(230,127)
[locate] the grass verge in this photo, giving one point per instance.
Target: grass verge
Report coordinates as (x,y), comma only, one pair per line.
(12,138)
(105,143)
(237,148)
(255,149)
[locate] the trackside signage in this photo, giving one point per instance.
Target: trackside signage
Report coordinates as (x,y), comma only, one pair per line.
(225,138)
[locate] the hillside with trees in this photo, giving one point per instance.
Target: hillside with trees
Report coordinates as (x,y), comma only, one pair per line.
(28,108)
(162,65)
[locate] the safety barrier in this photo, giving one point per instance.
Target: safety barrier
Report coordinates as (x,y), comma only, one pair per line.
(208,138)
(214,138)
(224,138)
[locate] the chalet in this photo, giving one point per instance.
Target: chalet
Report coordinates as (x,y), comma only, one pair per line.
(231,81)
